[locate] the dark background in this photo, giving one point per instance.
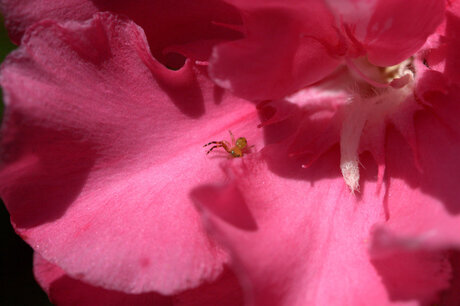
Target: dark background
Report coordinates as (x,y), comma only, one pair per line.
(17,283)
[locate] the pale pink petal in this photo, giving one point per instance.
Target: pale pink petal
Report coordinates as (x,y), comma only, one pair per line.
(287,45)
(101,145)
(64,290)
(388,31)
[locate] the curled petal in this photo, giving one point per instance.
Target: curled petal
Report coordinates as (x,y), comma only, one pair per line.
(167,24)
(20,15)
(286,47)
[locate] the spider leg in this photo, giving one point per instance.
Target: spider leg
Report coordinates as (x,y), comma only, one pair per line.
(213,142)
(233,137)
(216,146)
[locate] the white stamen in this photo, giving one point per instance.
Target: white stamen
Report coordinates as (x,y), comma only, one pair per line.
(352,128)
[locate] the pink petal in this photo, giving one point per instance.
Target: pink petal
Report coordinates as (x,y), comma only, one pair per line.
(101,145)
(389,30)
(64,290)
(285,49)
(166,23)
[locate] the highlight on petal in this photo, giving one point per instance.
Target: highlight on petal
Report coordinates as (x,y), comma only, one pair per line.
(100,147)
(285,48)
(388,31)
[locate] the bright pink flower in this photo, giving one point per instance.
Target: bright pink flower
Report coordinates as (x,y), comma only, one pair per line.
(349,197)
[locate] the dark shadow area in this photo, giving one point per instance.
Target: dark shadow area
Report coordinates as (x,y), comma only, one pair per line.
(18,286)
(287,135)
(69,291)
(6,46)
(218,94)
(177,22)
(183,88)
(224,291)
(44,170)
(226,202)
(414,275)
(451,296)
(290,135)
(439,153)
(452,40)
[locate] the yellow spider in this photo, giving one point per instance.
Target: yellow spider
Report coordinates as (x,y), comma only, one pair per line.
(236,149)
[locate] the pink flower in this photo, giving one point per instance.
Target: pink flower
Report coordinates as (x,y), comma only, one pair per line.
(349,196)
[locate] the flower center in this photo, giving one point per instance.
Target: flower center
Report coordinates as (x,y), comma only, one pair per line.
(379,94)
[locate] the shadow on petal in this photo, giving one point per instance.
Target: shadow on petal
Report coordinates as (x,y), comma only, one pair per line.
(45,170)
(414,275)
(227,202)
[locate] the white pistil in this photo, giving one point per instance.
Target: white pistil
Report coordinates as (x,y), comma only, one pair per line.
(356,115)
(373,110)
